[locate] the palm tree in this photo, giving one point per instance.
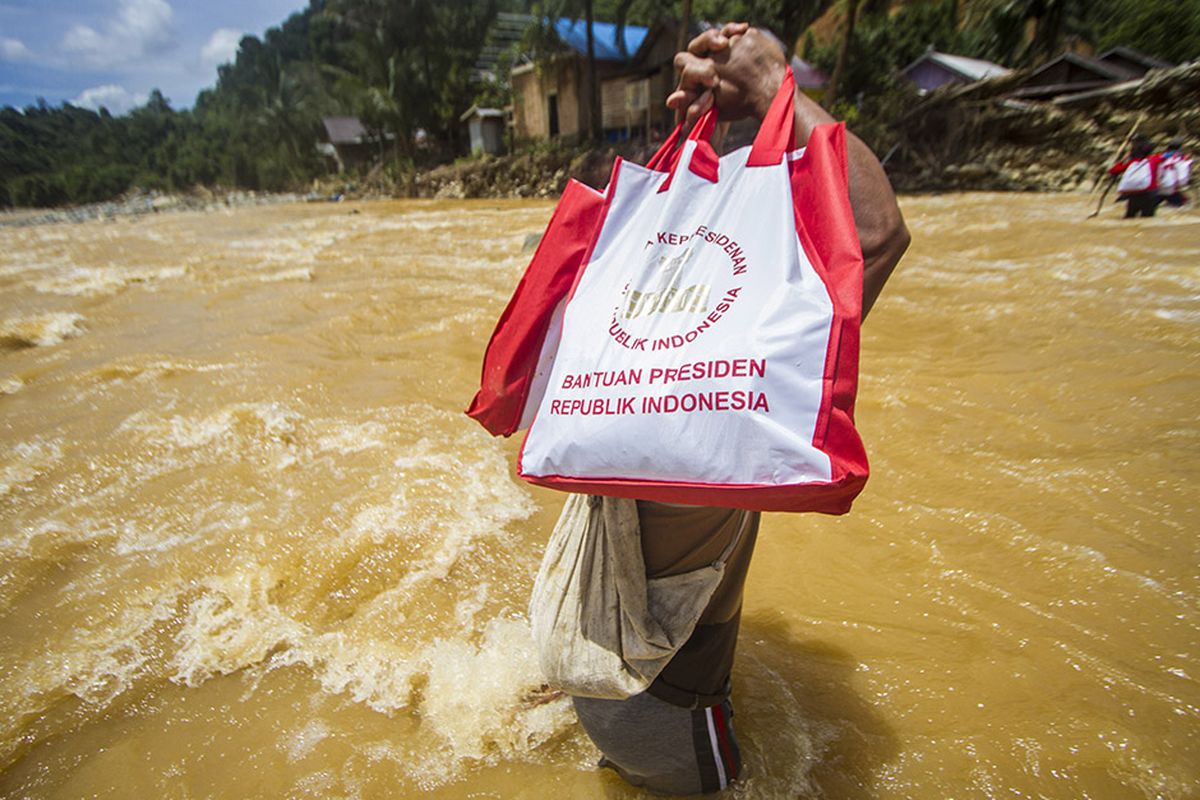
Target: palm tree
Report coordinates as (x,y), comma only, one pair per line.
(839,68)
(597,127)
(1056,24)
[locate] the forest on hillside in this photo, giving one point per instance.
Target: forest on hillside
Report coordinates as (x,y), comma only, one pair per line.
(409,67)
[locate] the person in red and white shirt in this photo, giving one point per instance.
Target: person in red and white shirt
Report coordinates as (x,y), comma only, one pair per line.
(1139,179)
(1174,173)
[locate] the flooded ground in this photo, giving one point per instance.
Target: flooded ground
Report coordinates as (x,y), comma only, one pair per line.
(251,547)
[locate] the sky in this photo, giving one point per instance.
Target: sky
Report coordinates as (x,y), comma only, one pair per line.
(112,53)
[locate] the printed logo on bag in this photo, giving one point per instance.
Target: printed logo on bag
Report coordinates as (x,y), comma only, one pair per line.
(681,291)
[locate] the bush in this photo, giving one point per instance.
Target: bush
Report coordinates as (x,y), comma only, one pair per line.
(92,184)
(38,190)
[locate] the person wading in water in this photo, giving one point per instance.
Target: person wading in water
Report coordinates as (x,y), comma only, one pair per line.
(1138,184)
(676,737)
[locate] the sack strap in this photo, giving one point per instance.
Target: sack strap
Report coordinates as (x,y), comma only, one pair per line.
(733,543)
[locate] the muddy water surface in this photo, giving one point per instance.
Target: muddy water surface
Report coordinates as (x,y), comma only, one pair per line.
(250,546)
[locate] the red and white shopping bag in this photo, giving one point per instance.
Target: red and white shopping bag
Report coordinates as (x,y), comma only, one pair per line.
(709,347)
(520,353)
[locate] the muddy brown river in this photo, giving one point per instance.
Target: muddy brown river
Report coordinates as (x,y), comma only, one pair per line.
(250,546)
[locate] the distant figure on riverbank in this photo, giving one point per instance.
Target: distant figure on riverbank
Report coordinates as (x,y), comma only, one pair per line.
(1138,184)
(1174,173)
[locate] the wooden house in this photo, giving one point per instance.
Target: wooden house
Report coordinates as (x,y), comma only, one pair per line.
(1071,73)
(1135,63)
(635,77)
(346,143)
(550,97)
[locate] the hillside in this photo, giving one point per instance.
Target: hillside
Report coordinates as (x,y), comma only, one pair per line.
(408,71)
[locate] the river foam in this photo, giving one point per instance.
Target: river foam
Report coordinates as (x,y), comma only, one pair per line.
(40,330)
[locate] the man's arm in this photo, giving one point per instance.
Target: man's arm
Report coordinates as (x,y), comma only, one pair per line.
(740,69)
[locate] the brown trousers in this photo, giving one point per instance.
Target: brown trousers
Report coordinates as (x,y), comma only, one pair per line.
(678,539)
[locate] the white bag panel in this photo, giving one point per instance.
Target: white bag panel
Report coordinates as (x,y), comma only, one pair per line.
(545,363)
(780,315)
(1173,174)
(1137,177)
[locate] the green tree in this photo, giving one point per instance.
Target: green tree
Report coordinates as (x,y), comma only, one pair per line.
(1163,28)
(787,19)
(413,61)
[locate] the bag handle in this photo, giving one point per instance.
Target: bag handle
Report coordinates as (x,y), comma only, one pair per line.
(704,161)
(777,133)
(776,137)
(702,131)
(659,160)
(666,158)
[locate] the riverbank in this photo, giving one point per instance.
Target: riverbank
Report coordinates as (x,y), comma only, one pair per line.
(138,203)
(960,138)
(978,137)
(965,138)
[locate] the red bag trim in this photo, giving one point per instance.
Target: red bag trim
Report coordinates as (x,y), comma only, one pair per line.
(825,226)
(505,382)
(824,498)
(587,259)
(596,230)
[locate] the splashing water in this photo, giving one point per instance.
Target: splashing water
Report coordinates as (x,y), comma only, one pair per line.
(247,538)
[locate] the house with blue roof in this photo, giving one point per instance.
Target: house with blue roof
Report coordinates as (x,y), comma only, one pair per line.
(634,72)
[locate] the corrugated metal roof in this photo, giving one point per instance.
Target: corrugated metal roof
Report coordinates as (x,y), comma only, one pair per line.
(344,130)
(1103,70)
(504,35)
(973,69)
(573,33)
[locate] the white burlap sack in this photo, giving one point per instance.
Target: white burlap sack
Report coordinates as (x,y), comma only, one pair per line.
(602,628)
(1137,177)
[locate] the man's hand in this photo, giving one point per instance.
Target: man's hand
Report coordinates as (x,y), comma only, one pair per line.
(740,69)
(697,68)
(737,67)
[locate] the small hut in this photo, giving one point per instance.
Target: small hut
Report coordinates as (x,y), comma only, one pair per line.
(934,69)
(347,143)
(486,129)
(809,79)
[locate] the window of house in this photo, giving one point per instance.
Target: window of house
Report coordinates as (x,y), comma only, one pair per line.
(553,114)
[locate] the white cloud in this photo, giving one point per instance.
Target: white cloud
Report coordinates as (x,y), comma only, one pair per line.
(117,99)
(14,50)
(140,27)
(222,47)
